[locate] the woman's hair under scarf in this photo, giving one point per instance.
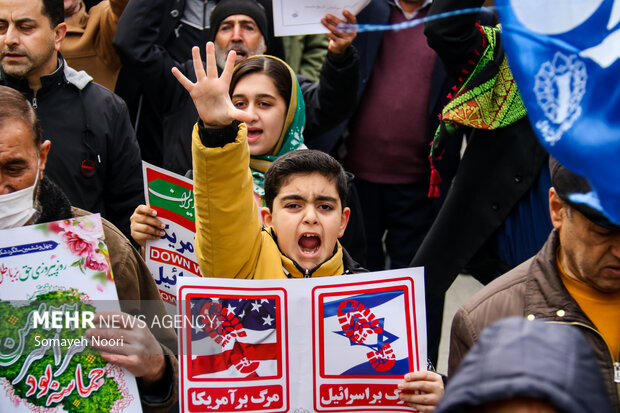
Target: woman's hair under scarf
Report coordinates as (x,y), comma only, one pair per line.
(291,137)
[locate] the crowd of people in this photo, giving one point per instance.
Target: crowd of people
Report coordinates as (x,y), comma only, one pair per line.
(320,155)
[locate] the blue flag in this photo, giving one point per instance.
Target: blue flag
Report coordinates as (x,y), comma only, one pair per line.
(565,56)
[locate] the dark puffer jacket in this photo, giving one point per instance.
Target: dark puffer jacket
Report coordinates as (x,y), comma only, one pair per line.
(515,357)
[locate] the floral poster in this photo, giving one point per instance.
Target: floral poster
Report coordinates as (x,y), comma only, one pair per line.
(53,278)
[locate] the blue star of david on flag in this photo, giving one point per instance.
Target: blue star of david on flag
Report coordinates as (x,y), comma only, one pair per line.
(362,320)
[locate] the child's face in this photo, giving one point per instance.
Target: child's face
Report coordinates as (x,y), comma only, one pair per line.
(256,94)
(308,218)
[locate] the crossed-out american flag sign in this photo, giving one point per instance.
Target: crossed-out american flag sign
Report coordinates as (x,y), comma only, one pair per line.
(239,338)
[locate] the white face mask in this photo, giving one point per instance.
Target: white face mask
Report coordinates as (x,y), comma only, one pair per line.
(17,207)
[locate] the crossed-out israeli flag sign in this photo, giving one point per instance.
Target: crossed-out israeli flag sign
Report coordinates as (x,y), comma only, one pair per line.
(565,56)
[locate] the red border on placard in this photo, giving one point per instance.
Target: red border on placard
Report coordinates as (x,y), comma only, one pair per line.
(411,354)
(152,175)
(409,291)
(191,296)
(284,373)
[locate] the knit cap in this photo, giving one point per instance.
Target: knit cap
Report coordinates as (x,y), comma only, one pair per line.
(227,8)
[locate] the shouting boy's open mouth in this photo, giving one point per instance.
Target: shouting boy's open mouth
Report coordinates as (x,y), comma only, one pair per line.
(309,244)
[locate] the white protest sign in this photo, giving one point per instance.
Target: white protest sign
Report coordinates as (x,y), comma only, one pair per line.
(337,344)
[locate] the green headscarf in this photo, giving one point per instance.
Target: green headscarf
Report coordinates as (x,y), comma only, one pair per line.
(291,137)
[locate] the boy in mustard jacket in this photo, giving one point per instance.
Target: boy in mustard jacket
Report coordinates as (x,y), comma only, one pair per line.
(304,215)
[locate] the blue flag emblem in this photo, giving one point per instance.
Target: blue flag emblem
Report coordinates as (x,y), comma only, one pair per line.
(565,56)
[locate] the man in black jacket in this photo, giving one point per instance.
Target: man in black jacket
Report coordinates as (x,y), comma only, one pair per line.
(96,160)
(327,102)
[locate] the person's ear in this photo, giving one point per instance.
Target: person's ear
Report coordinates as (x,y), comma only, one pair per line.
(557,209)
(344,220)
(266,217)
(43,152)
(59,35)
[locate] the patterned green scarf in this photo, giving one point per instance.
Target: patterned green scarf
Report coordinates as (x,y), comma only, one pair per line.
(487,99)
(290,139)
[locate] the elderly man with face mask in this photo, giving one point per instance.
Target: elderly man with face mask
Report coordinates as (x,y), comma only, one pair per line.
(28,197)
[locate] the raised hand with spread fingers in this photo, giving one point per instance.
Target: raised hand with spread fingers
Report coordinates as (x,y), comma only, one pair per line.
(210,92)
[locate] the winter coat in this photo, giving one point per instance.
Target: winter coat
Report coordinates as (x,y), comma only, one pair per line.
(88,43)
(534,290)
(306,54)
(230,240)
(515,357)
(94,155)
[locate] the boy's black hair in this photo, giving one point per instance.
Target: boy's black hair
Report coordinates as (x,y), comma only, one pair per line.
(54,10)
(304,161)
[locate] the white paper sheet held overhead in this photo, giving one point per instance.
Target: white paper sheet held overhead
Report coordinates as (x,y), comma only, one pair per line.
(293,17)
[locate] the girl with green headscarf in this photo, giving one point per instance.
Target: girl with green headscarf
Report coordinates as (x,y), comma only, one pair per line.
(258,83)
(267,87)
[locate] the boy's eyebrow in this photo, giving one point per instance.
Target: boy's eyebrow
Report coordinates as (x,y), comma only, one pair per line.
(326,198)
(297,197)
(292,197)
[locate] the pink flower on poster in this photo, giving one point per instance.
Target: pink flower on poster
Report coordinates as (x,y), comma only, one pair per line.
(88,229)
(96,261)
(83,237)
(77,245)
